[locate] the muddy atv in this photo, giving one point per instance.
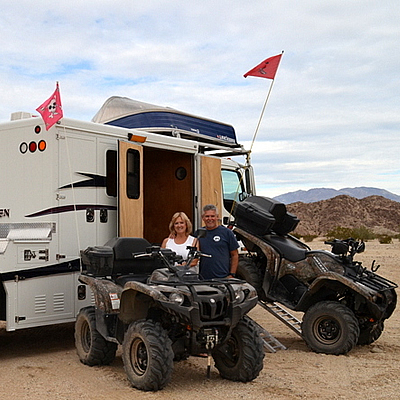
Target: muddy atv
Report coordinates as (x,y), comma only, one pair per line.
(160,312)
(344,304)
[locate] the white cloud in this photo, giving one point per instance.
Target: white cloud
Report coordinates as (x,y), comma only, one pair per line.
(333,115)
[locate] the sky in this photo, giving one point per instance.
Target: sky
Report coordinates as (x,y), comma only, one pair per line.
(333,115)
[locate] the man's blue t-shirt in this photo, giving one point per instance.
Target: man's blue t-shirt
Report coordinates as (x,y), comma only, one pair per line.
(218,243)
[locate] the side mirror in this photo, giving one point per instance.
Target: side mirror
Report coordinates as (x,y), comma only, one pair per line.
(340,248)
(360,247)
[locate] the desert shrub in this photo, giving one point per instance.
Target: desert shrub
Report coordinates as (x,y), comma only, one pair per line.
(309,238)
(362,233)
(339,232)
(296,235)
(385,239)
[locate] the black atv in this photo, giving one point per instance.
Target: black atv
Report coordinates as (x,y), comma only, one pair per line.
(160,311)
(344,304)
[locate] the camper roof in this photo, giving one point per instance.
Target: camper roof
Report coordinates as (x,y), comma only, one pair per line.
(133,114)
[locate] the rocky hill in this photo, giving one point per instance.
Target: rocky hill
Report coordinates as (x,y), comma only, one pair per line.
(312,195)
(376,213)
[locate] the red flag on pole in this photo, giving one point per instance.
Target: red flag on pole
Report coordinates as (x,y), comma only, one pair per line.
(51,110)
(266,69)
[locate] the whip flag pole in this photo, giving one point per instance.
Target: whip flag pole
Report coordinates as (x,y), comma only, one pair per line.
(266,69)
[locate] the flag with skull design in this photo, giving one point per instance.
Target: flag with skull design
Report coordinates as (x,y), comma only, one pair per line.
(51,110)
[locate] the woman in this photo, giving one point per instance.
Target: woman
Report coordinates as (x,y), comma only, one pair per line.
(180,228)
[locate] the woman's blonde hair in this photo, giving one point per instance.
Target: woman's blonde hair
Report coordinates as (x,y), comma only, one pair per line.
(185,219)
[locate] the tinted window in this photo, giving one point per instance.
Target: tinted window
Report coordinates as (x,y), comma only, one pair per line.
(133,174)
(111,173)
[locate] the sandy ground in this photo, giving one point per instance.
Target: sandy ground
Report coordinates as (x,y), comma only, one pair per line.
(42,363)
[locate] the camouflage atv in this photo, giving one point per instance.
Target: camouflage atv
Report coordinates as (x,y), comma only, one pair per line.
(344,304)
(160,311)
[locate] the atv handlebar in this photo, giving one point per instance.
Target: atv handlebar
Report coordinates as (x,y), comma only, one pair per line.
(169,257)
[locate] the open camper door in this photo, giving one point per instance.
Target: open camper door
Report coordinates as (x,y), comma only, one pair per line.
(130,192)
(211,189)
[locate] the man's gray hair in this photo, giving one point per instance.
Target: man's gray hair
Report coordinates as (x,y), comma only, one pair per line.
(209,207)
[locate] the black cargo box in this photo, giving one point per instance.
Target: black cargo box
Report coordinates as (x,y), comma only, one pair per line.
(252,218)
(276,208)
(287,224)
(98,260)
(284,222)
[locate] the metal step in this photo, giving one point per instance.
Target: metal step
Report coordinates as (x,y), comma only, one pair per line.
(283,315)
(271,343)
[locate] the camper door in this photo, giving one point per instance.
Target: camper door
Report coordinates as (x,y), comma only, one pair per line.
(210,178)
(130,193)
(154,183)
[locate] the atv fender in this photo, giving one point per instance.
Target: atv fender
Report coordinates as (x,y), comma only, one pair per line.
(318,289)
(136,299)
(106,293)
(273,257)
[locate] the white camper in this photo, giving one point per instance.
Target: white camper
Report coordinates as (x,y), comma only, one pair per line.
(81,183)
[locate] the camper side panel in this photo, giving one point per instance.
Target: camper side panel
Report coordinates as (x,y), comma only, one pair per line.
(54,204)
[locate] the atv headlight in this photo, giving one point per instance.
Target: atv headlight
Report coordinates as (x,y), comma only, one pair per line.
(251,293)
(177,298)
(239,296)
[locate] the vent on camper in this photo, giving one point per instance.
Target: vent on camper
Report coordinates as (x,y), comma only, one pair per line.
(20,115)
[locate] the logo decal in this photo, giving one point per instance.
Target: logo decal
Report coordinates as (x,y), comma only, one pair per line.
(216,238)
(4,212)
(93,181)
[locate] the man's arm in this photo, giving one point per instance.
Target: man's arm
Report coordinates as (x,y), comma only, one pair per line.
(234,261)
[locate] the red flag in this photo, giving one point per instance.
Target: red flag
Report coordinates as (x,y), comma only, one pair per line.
(51,110)
(266,69)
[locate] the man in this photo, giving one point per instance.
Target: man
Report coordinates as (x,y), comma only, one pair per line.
(221,244)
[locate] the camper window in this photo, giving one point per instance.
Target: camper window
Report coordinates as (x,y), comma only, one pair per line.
(133,174)
(111,173)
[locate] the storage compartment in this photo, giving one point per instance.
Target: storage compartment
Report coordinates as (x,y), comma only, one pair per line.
(252,218)
(287,224)
(276,208)
(283,222)
(98,260)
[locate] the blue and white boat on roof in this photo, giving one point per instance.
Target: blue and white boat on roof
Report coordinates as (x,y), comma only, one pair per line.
(133,114)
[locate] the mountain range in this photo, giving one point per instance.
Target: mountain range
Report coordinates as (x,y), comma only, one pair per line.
(314,195)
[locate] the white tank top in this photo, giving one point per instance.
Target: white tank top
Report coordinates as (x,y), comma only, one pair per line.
(180,249)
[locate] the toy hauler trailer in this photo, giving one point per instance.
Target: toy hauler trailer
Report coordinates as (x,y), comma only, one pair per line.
(82,183)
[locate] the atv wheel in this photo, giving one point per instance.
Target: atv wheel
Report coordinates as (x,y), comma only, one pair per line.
(331,328)
(91,347)
(248,271)
(147,355)
(370,333)
(240,358)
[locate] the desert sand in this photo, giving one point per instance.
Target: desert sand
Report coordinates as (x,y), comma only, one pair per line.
(42,363)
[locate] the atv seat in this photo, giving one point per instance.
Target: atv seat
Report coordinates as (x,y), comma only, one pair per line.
(125,267)
(287,248)
(122,279)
